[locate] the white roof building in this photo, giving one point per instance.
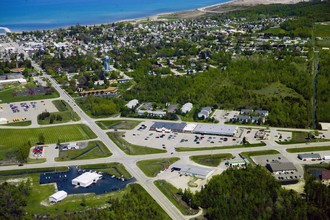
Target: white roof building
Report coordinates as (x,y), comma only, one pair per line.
(3,121)
(133,103)
(195,171)
(216,129)
(189,128)
(187,107)
(86,179)
(20,80)
(58,196)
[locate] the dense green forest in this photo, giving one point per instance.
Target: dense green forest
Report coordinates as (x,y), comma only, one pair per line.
(253,193)
(323,87)
(284,87)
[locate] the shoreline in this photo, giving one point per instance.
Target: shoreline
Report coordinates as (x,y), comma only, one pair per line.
(185,14)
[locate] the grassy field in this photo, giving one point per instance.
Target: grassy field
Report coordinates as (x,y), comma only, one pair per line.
(116,169)
(307,149)
(212,160)
(5,173)
(20,123)
(11,139)
(131,149)
(36,160)
(184,149)
(95,149)
(299,137)
(7,93)
(118,124)
(65,112)
(172,194)
(152,167)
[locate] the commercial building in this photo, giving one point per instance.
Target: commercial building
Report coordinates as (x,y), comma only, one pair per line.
(216,129)
(168,127)
(86,179)
(58,196)
(278,167)
(195,171)
(311,156)
(237,163)
(189,128)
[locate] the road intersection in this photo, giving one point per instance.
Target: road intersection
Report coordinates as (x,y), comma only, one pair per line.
(129,161)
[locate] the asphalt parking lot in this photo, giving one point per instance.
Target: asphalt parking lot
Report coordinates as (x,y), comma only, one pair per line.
(169,141)
(282,176)
(28,110)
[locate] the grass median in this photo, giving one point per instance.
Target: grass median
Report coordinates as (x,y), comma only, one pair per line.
(118,124)
(152,167)
(212,160)
(184,149)
(94,149)
(129,148)
(307,149)
(20,123)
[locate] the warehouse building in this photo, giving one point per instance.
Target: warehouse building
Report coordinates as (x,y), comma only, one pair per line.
(86,179)
(311,156)
(58,196)
(277,167)
(195,171)
(216,129)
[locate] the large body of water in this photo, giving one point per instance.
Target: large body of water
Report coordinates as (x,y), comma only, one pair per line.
(25,15)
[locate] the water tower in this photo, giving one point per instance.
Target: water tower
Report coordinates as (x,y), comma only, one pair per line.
(107,64)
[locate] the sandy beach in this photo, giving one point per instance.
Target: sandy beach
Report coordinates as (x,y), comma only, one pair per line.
(219,8)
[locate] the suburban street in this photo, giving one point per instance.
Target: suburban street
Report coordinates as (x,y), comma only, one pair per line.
(129,161)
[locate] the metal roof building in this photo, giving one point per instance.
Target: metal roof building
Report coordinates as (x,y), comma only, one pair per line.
(280,167)
(86,179)
(216,129)
(310,156)
(189,128)
(168,127)
(58,196)
(196,171)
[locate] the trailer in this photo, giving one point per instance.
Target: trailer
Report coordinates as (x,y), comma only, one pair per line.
(326,158)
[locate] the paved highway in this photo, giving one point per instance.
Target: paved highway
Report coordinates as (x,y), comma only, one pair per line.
(130,161)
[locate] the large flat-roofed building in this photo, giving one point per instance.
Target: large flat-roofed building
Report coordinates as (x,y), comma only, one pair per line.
(310,156)
(278,167)
(195,171)
(86,179)
(189,128)
(216,129)
(168,127)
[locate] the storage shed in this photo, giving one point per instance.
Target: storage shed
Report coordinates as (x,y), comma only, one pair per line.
(58,196)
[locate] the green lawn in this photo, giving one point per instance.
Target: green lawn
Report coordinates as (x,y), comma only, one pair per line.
(131,149)
(95,149)
(6,95)
(152,167)
(173,194)
(20,123)
(212,160)
(118,124)
(308,149)
(275,30)
(65,112)
(11,139)
(116,169)
(184,149)
(299,137)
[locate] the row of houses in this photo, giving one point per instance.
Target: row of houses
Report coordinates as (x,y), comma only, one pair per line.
(251,116)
